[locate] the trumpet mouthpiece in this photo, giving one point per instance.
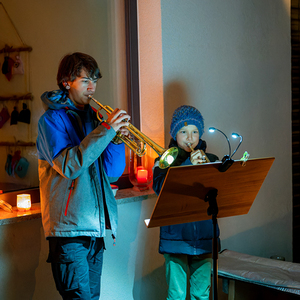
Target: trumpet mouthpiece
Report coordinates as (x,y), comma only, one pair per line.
(190,146)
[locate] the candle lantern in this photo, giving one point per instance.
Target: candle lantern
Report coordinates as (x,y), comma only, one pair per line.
(140,169)
(23,202)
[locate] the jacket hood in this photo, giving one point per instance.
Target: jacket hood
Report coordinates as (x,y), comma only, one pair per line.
(57,99)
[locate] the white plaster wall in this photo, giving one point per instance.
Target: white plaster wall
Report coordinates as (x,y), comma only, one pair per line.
(133,268)
(151,70)
(231,59)
(53,29)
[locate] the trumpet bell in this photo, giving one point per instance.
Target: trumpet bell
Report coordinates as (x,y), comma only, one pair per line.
(168,157)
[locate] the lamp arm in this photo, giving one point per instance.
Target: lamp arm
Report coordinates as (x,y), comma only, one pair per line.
(241,139)
(226,139)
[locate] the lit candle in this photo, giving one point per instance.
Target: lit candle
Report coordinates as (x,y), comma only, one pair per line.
(141,175)
(23,202)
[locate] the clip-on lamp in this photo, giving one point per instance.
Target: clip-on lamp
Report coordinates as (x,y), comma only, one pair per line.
(227,160)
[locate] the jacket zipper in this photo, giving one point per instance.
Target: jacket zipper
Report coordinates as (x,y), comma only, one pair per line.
(195,233)
(71,188)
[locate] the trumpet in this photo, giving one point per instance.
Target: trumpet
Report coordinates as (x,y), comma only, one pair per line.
(203,155)
(167,156)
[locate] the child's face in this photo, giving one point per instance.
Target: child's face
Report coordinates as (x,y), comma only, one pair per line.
(187,134)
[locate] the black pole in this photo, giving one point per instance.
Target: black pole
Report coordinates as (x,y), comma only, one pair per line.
(215,258)
(211,198)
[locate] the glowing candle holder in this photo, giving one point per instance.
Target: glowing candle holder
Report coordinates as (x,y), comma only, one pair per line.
(141,175)
(140,170)
(23,202)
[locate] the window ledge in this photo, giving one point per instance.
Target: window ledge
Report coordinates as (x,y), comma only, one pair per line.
(122,197)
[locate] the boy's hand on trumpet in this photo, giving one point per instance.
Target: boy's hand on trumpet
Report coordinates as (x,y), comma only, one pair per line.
(197,158)
(119,120)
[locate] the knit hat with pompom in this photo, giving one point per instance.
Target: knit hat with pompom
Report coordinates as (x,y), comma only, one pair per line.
(186,115)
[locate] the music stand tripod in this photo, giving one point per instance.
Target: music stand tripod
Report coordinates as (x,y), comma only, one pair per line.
(211,198)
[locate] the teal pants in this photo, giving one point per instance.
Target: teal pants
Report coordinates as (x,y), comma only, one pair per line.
(198,267)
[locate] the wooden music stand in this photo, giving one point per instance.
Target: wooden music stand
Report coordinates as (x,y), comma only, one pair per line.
(202,192)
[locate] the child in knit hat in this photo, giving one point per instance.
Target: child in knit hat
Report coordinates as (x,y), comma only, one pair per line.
(187,127)
(186,247)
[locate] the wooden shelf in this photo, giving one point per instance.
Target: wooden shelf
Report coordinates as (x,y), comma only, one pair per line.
(27,96)
(8,49)
(123,197)
(15,144)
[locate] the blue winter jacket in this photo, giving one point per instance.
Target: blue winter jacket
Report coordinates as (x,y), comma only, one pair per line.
(193,238)
(77,162)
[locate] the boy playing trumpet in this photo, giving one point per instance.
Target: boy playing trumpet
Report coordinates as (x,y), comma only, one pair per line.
(186,247)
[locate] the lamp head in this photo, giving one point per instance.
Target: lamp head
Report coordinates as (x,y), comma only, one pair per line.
(235,135)
(226,160)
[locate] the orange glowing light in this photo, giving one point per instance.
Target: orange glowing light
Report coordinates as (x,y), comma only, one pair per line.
(23,202)
(141,175)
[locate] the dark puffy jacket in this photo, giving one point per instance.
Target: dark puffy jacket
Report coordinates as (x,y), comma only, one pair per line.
(193,238)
